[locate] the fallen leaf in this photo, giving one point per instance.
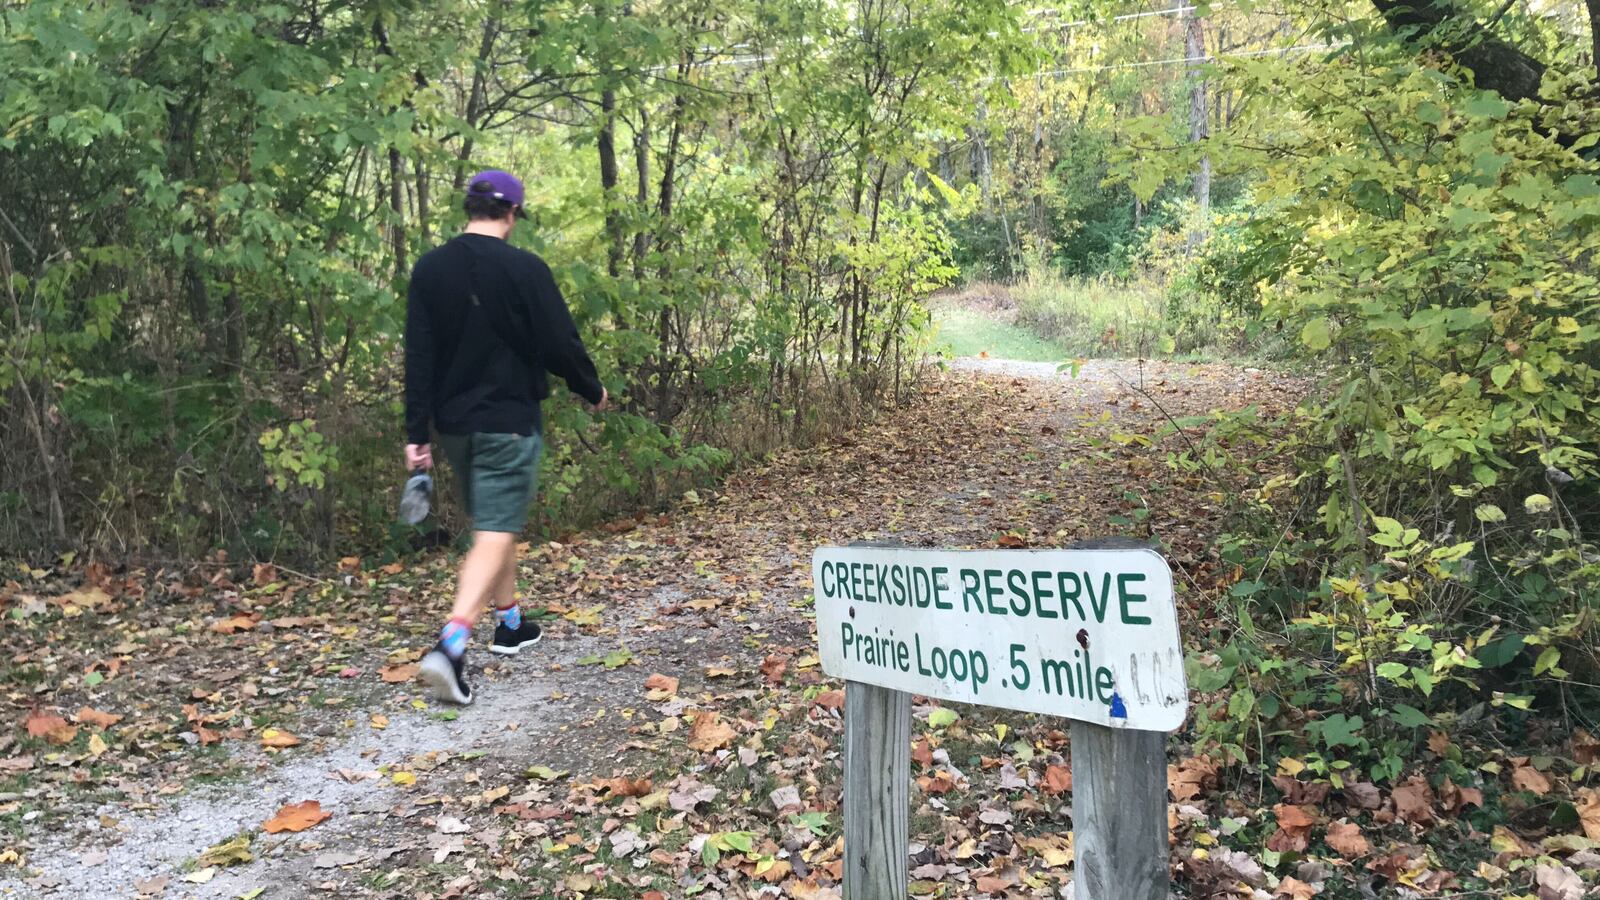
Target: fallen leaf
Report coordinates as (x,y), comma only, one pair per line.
(1527,778)
(626,787)
(660,687)
(1588,804)
(296,817)
(451,825)
(1347,840)
(710,733)
(1558,883)
(95,717)
(152,886)
(773,668)
(334,859)
(49,726)
(400,673)
(831,700)
(719,671)
(236,624)
(274,738)
(1413,801)
(1295,889)
(1189,778)
(227,853)
(201,876)
(1057,779)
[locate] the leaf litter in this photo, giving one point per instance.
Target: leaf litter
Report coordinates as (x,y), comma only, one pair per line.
(717,774)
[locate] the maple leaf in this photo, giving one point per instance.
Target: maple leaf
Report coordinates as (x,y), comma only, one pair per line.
(1294,827)
(89,716)
(1452,797)
(993,884)
(831,700)
(227,853)
(296,817)
(49,726)
(236,624)
(400,673)
(1347,840)
(709,733)
(660,687)
(626,787)
(1189,778)
(1413,801)
(275,739)
(1295,889)
(1527,778)
(1057,779)
(773,668)
(1588,804)
(921,753)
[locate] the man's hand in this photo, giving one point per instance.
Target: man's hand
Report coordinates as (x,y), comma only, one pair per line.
(605,401)
(419,456)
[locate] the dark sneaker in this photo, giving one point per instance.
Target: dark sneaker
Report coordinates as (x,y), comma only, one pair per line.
(510,641)
(446,678)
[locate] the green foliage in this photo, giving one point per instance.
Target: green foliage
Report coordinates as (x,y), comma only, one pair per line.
(211,212)
(1430,541)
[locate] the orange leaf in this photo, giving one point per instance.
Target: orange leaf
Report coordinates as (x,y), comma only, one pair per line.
(272,737)
(1413,801)
(236,624)
(710,733)
(773,667)
(1295,889)
(664,683)
(1527,778)
(399,674)
(296,817)
(921,753)
(626,787)
(1589,812)
(1294,817)
(95,717)
(1057,779)
(993,884)
(41,724)
(1347,840)
(831,699)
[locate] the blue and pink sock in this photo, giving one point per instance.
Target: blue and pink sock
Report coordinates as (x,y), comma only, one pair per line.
(453,637)
(510,617)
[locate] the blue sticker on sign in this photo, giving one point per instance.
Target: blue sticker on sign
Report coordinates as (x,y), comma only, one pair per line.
(1118,710)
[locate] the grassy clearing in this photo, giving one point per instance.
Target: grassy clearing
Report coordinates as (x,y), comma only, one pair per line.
(971,332)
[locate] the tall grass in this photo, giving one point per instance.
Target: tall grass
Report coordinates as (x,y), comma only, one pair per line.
(1114,317)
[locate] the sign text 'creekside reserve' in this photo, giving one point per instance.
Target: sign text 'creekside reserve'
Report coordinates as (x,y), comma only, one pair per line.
(1085,634)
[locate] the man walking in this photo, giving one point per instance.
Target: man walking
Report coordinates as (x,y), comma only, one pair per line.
(484,323)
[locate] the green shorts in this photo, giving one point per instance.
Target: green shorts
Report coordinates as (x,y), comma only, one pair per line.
(498,475)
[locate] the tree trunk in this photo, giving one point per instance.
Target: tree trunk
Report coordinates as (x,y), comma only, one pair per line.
(606,144)
(1199,122)
(1496,65)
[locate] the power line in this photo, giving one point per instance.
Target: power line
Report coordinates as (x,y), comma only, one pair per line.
(1303,48)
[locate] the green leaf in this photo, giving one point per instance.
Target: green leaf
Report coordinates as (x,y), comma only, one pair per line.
(1339,730)
(1488,512)
(1409,716)
(1391,670)
(1316,334)
(1547,660)
(1487,105)
(1537,504)
(742,841)
(1500,375)
(943,717)
(1497,653)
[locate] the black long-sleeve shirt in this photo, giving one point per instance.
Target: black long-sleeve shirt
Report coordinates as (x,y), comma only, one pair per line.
(462,371)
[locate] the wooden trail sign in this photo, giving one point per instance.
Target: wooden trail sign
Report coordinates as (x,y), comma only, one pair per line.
(1087,634)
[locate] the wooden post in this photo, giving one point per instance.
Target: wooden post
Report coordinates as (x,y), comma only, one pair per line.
(1119,813)
(877,792)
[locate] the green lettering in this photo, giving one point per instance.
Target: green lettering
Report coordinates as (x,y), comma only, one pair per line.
(1101,602)
(938,588)
(992,590)
(969,591)
(1041,593)
(1103,684)
(1077,588)
(1128,596)
(1018,582)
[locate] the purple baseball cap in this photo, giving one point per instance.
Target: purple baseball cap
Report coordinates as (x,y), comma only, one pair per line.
(500,185)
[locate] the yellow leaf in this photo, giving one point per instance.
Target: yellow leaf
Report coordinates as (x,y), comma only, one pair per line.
(404,779)
(380,721)
(1290,766)
(96,745)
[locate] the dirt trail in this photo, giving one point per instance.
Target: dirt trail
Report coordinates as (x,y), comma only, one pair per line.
(994,447)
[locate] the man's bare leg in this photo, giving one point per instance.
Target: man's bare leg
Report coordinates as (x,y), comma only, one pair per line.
(485,573)
(482,574)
